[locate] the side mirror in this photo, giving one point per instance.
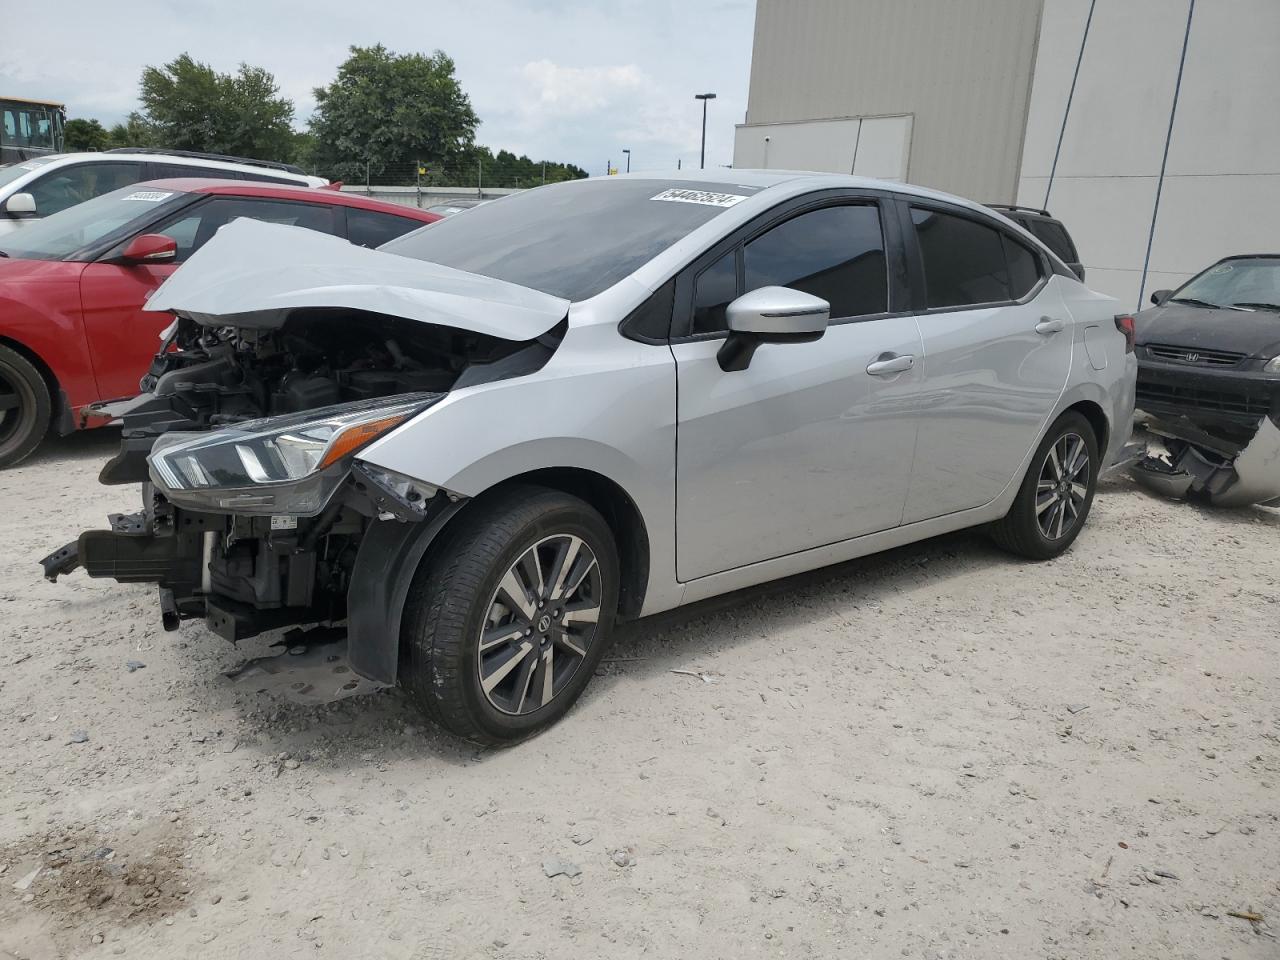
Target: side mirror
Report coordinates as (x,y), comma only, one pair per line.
(770,315)
(20,205)
(1078,270)
(1160,296)
(150,248)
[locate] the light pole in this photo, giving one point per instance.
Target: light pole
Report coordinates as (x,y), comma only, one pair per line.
(628,153)
(704,97)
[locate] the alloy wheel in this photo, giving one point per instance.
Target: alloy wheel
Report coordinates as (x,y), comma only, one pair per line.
(1063,486)
(539,625)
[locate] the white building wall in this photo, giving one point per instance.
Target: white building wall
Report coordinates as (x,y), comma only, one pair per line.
(959,69)
(1222,180)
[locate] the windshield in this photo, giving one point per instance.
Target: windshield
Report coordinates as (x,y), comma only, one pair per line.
(103,219)
(13,171)
(571,240)
(1253,283)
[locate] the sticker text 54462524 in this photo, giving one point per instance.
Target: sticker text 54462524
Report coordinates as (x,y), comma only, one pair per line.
(705,197)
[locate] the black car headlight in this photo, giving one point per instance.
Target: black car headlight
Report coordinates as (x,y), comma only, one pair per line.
(288,465)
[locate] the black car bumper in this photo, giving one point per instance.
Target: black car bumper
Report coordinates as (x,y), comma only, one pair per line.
(1235,400)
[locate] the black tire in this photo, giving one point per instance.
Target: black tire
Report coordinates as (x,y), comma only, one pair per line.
(452,598)
(26,408)
(1019,531)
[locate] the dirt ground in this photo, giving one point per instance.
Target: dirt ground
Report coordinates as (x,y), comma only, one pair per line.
(938,752)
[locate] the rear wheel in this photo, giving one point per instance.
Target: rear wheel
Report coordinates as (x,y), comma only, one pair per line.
(1056,494)
(25,407)
(507,619)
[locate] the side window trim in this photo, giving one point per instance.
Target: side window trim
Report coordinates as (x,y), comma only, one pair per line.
(916,259)
(897,267)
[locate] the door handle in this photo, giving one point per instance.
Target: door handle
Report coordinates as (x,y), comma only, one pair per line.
(890,365)
(1048,325)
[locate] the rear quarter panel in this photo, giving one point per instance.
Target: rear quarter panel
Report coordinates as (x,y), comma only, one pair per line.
(1101,371)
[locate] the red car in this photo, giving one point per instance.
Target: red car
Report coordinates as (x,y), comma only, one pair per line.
(72,287)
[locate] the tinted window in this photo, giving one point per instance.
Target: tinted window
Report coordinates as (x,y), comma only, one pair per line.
(165,171)
(1053,236)
(264,178)
(193,228)
(836,253)
(715,288)
(571,240)
(365,228)
(1024,267)
(67,186)
(963,260)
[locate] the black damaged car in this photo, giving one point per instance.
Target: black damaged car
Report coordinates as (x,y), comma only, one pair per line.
(1210,350)
(1209,384)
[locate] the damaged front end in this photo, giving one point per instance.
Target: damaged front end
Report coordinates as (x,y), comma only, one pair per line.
(257,510)
(1226,469)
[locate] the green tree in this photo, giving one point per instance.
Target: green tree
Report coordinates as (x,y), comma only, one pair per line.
(83,135)
(134,132)
(190,106)
(385,112)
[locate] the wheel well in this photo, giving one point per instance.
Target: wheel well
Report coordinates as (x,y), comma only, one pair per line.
(619,512)
(55,395)
(1097,419)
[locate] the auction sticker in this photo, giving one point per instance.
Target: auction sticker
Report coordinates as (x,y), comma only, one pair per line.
(704,197)
(150,196)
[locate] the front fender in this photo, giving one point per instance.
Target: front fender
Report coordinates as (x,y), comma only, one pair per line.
(385,565)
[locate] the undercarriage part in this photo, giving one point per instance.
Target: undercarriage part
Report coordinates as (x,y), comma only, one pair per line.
(1185,461)
(315,669)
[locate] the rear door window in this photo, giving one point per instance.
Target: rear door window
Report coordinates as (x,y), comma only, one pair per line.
(964,261)
(369,228)
(1024,267)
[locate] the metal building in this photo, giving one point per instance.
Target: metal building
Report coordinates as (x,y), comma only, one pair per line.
(1148,126)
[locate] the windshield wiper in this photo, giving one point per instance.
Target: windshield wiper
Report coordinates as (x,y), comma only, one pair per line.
(1196,303)
(1261,306)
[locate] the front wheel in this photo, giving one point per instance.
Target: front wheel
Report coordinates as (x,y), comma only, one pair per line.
(509,615)
(1056,494)
(26,408)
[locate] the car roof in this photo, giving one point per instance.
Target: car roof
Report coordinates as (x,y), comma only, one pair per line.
(64,159)
(284,191)
(799,181)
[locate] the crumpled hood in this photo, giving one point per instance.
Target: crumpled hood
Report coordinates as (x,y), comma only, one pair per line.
(254,274)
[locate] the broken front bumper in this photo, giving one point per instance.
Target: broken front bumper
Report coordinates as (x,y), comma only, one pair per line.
(1185,461)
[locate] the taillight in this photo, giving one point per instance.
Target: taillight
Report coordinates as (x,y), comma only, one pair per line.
(1125,324)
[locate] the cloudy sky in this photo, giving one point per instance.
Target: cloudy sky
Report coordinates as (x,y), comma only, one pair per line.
(556,79)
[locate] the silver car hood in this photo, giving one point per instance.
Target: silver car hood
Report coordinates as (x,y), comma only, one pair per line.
(254,274)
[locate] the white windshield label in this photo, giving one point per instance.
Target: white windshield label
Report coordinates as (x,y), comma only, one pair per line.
(150,196)
(700,196)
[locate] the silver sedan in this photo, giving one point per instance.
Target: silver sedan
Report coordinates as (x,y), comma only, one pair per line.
(478,448)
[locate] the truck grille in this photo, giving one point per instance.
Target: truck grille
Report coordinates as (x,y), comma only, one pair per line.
(1194,355)
(1205,401)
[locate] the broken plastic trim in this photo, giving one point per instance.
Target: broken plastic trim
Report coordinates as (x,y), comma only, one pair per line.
(1185,462)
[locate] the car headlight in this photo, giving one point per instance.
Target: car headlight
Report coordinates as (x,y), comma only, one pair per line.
(1272,365)
(286,465)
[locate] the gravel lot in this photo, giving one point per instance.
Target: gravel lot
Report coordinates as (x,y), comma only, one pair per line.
(938,752)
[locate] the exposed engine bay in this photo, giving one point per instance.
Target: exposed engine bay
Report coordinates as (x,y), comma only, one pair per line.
(262,520)
(211,376)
